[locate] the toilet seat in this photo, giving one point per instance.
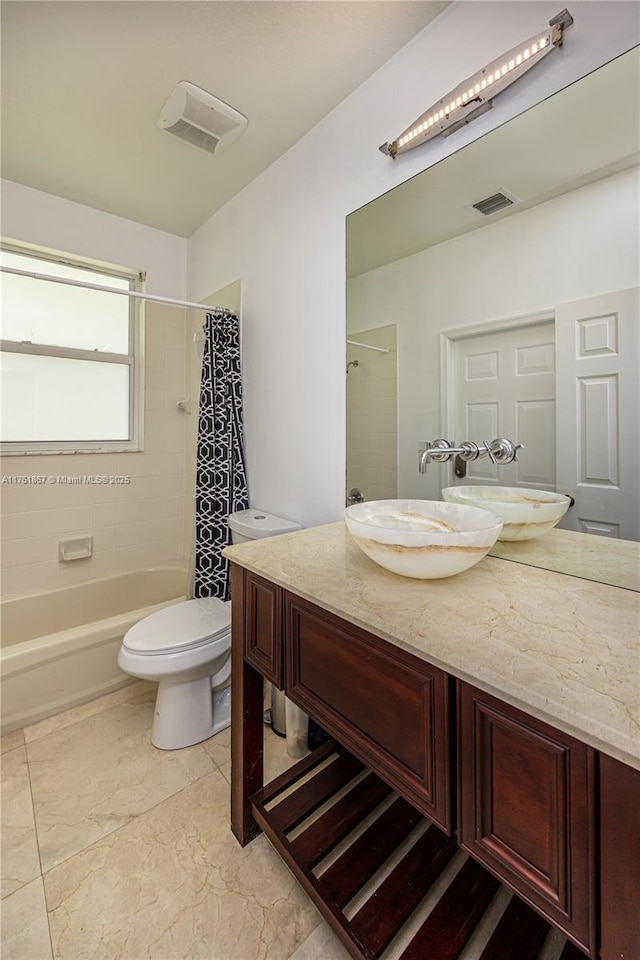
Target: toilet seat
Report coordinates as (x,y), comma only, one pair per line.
(180,627)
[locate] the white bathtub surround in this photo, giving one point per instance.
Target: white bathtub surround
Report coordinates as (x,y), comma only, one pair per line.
(59,647)
(169,880)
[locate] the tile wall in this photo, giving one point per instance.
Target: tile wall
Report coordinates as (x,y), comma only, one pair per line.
(372,415)
(133,525)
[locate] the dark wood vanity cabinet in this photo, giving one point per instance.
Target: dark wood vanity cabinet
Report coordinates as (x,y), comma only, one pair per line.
(526,801)
(384,705)
(263,646)
(551,818)
(619,860)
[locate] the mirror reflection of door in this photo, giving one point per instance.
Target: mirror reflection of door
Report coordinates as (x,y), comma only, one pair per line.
(504,386)
(598,345)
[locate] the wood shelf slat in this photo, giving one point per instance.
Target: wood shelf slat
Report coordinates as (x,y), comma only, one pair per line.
(452,921)
(518,936)
(313,793)
(381,917)
(336,824)
(342,880)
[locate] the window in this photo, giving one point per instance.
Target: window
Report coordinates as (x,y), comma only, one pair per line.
(69,356)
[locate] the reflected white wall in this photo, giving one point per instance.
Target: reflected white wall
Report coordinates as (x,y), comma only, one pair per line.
(524,264)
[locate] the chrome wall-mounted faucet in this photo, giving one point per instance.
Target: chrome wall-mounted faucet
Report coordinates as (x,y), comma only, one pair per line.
(440,451)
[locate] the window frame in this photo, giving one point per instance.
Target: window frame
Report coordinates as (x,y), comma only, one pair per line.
(134,359)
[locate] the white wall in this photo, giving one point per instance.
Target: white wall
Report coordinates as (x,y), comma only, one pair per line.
(47,221)
(138,524)
(522,265)
(284,234)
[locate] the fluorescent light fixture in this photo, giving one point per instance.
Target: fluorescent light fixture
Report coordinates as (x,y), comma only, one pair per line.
(474,96)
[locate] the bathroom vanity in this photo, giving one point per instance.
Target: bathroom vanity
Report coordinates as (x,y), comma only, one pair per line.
(494,713)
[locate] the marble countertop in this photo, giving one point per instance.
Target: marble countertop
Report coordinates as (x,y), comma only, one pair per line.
(562,648)
(604,559)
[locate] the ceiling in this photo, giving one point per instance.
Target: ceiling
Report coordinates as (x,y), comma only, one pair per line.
(547,151)
(83,83)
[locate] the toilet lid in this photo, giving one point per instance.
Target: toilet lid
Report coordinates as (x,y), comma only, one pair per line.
(182,626)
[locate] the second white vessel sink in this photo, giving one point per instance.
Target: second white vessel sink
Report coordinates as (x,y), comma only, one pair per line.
(525,513)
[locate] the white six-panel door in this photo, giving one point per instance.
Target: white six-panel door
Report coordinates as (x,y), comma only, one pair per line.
(504,386)
(598,412)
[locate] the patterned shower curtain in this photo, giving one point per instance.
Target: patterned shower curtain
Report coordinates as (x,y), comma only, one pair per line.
(221,485)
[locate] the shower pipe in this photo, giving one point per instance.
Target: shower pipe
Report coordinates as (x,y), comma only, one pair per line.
(125,293)
(367,346)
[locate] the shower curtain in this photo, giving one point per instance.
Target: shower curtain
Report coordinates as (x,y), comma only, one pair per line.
(221,485)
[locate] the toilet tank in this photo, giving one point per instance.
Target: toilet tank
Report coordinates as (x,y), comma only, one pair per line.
(256,524)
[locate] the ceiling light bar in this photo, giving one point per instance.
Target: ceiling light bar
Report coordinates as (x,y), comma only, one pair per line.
(474,96)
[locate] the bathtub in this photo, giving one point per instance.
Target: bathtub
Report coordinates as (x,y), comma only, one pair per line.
(59,647)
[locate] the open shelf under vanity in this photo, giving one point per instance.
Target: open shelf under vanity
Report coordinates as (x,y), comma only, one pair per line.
(392,882)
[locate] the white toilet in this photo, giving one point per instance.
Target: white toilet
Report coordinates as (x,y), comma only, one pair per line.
(186,649)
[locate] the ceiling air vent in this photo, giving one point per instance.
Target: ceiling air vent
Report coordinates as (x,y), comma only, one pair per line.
(498,201)
(200,118)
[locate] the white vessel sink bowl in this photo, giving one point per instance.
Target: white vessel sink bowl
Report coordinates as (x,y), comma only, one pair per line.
(425,539)
(525,514)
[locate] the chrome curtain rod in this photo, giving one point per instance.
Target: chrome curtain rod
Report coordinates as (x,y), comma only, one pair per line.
(367,346)
(125,293)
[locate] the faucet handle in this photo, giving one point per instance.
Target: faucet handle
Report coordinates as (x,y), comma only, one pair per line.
(503,451)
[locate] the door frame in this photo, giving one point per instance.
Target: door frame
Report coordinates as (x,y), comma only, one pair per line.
(447,339)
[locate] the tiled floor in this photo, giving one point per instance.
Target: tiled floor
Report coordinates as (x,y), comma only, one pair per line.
(113,849)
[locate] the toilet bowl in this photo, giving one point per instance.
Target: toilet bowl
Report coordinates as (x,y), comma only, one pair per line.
(186,649)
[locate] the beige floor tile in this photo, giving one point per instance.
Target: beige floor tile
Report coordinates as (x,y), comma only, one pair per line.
(142,689)
(219,747)
(174,883)
(25,931)
(11,740)
(90,778)
(322,944)
(276,759)
(19,847)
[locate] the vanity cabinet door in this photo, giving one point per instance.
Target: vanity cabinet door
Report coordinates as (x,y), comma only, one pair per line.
(263,627)
(385,706)
(527,809)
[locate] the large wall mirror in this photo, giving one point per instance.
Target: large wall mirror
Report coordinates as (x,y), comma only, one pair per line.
(520,319)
